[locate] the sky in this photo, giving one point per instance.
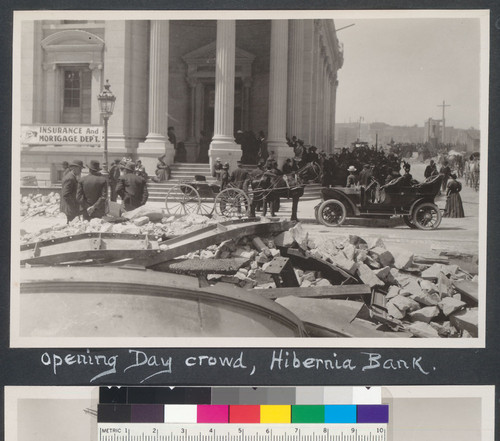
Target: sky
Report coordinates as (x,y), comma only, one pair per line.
(398,71)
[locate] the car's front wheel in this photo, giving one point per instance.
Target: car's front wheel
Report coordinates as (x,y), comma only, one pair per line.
(332,213)
(426,216)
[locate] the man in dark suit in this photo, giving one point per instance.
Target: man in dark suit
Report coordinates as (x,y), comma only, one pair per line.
(92,192)
(239,175)
(69,204)
(132,189)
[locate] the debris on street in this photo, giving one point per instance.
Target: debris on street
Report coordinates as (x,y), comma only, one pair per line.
(342,287)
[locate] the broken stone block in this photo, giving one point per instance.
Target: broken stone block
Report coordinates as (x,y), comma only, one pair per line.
(402,258)
(395,312)
(342,262)
(405,304)
(411,288)
(423,330)
(262,258)
(261,246)
(356,240)
(374,242)
(432,273)
(445,330)
(361,255)
(428,299)
(449,305)
(323,282)
(300,236)
(261,277)
(424,315)
(284,239)
(393,292)
(372,263)
(368,276)
(274,252)
(428,286)
(305,284)
(384,256)
(349,251)
(309,275)
(385,275)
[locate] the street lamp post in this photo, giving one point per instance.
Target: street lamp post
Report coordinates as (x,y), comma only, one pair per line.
(106,103)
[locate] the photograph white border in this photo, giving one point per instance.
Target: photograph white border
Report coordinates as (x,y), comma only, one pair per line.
(18,341)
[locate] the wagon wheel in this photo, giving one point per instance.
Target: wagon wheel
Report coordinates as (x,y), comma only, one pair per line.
(182,199)
(407,220)
(426,216)
(232,202)
(332,213)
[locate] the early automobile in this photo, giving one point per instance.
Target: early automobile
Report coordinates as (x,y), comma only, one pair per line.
(415,203)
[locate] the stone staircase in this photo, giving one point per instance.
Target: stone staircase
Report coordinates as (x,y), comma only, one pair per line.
(186,172)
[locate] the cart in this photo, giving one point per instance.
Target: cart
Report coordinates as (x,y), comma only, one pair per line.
(201,197)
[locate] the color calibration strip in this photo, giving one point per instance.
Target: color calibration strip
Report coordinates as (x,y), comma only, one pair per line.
(243,414)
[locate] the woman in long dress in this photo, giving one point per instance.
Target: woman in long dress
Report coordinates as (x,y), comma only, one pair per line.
(454,207)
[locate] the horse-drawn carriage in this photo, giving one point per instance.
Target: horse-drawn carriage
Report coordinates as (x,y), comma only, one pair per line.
(201,197)
(415,203)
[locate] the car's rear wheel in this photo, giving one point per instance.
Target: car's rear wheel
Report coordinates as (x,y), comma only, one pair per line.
(332,213)
(407,221)
(426,216)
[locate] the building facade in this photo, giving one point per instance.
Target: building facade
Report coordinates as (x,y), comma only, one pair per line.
(216,77)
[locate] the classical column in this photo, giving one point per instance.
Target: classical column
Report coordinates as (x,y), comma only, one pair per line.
(156,141)
(223,144)
(192,82)
(295,78)
(277,92)
(333,105)
(245,105)
(96,88)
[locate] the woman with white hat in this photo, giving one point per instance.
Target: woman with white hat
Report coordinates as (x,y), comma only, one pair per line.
(352,179)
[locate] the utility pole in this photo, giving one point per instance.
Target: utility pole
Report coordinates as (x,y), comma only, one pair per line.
(443,106)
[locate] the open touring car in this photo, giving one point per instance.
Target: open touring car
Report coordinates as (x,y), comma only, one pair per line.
(415,203)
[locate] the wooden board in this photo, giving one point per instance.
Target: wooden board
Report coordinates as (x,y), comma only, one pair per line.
(319,292)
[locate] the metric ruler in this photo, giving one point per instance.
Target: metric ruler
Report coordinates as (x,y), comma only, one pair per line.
(240,432)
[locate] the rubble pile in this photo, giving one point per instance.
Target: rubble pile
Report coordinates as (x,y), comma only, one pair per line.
(141,221)
(421,299)
(40,205)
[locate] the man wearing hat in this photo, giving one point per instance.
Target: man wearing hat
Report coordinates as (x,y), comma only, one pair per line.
(69,204)
(239,175)
(365,175)
(217,170)
(352,178)
(132,189)
(224,176)
(92,192)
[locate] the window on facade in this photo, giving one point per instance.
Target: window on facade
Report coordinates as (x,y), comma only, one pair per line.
(74,21)
(76,95)
(72,88)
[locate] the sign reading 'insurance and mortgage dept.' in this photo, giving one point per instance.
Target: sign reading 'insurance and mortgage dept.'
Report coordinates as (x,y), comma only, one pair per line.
(44,134)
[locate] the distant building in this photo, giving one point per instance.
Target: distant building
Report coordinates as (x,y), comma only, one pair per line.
(279,76)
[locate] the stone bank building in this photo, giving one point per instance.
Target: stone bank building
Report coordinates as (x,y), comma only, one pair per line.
(216,76)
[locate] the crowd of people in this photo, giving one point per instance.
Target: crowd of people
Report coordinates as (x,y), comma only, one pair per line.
(87,196)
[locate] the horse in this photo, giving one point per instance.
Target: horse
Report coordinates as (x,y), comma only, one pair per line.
(269,187)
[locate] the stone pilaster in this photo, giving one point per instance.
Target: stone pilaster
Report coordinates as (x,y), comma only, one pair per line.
(295,77)
(277,92)
(156,142)
(223,144)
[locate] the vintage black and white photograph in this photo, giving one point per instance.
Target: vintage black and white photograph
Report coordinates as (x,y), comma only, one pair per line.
(219,178)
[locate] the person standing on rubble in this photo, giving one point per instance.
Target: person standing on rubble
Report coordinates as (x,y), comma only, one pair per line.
(92,192)
(132,189)
(69,204)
